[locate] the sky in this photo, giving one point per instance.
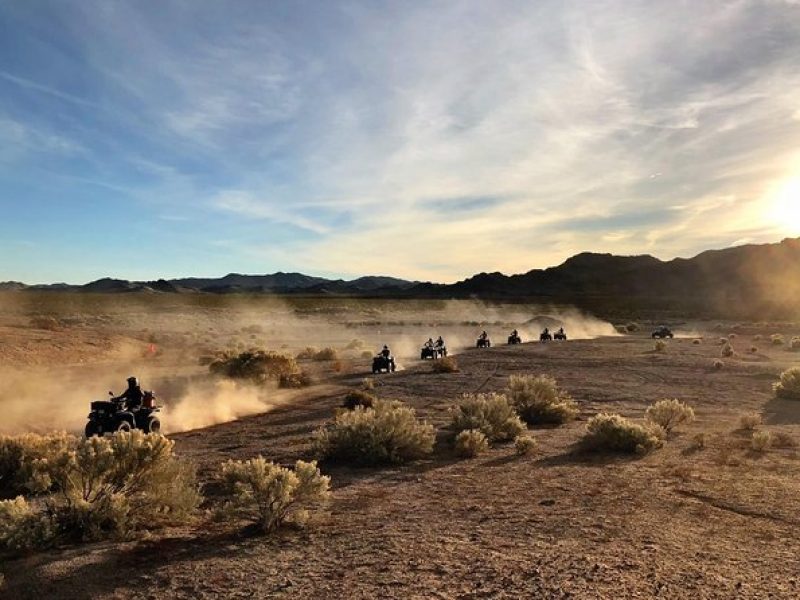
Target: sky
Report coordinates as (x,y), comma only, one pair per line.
(429,140)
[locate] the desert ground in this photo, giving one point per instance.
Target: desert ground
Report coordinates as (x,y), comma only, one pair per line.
(718,521)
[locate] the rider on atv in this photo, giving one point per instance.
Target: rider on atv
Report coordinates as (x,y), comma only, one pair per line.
(385,353)
(440,342)
(484,335)
(132,397)
(429,343)
(546,331)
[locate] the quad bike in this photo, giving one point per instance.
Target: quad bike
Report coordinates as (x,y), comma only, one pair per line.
(560,336)
(383,363)
(663,332)
(514,339)
(545,337)
(483,343)
(108,416)
(432,352)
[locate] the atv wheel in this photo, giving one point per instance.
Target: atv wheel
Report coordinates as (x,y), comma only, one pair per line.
(153,425)
(123,426)
(92,429)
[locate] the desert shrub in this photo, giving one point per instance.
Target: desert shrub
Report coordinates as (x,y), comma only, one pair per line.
(749,421)
(387,433)
(753,350)
(660,346)
(358,398)
(727,351)
(781,439)
(307,353)
(732,336)
(22,528)
(45,322)
(718,365)
(757,337)
(448,364)
(698,441)
(295,380)
(115,485)
(355,344)
(538,400)
(327,353)
(18,455)
(368,383)
(723,341)
(794,344)
(257,366)
(696,342)
(525,444)
(470,443)
(491,414)
(366,354)
(631,327)
(789,385)
(761,441)
(272,495)
(614,433)
(777,339)
(669,414)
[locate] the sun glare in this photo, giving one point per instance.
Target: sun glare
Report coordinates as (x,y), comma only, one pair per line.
(784,207)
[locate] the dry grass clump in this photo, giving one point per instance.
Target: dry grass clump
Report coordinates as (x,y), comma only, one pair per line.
(753,350)
(295,380)
(788,387)
(669,414)
(614,433)
(757,337)
(696,342)
(723,341)
(307,353)
(470,443)
(761,441)
(491,414)
(102,487)
(718,365)
(368,383)
(727,351)
(632,327)
(731,336)
(358,398)
(256,366)
(777,339)
(749,421)
(46,322)
(448,364)
(272,495)
(698,441)
(525,445)
(794,344)
(781,439)
(538,400)
(660,346)
(387,433)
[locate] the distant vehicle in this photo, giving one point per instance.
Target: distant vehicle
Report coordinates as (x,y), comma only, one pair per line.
(109,416)
(383,363)
(663,332)
(560,335)
(545,337)
(434,352)
(483,342)
(514,338)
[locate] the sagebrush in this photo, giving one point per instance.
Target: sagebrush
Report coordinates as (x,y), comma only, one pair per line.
(272,495)
(789,385)
(615,433)
(670,413)
(256,366)
(525,444)
(538,400)
(448,364)
(470,443)
(761,441)
(749,421)
(358,398)
(19,453)
(387,433)
(491,414)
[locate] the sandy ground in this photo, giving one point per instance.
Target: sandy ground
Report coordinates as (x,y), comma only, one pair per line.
(719,522)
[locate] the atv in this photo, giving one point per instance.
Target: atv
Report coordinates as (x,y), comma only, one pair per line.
(483,343)
(432,352)
(560,336)
(663,332)
(109,416)
(514,339)
(545,337)
(382,363)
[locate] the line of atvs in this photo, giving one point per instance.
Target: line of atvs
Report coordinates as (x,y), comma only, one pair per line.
(483,340)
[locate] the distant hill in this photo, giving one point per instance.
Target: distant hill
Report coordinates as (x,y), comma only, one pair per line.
(755,281)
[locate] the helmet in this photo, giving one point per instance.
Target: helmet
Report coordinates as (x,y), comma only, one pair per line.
(132,381)
(385,347)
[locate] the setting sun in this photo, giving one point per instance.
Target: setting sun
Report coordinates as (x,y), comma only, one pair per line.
(784,207)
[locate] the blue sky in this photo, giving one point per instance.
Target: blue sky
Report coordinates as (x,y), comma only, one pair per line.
(427,140)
